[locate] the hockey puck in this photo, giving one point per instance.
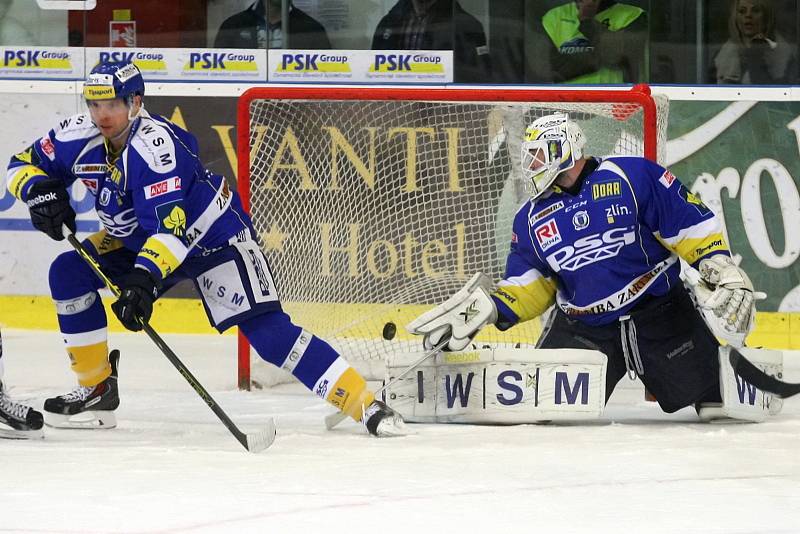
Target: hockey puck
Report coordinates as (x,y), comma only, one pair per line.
(389,330)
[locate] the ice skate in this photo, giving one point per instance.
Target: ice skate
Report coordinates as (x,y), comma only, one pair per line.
(382,421)
(18,421)
(86,406)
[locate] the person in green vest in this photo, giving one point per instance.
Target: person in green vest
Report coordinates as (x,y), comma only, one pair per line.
(596,41)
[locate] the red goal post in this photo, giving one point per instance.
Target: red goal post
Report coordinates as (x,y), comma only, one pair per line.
(374,203)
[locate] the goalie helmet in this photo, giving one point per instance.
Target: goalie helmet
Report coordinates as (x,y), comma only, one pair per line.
(114,79)
(552,145)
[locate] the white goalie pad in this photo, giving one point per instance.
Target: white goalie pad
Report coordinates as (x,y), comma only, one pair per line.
(742,401)
(458,318)
(504,386)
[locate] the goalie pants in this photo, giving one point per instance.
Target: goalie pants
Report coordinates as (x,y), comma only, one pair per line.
(671,349)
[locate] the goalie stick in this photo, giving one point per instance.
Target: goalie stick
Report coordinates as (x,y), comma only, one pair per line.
(755,376)
(335,418)
(253,442)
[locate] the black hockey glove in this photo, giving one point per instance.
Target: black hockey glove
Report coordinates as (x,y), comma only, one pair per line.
(48,203)
(134,306)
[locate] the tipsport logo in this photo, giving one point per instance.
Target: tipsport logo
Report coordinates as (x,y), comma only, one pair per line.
(220,62)
(407,64)
(313,64)
(36,60)
(150,62)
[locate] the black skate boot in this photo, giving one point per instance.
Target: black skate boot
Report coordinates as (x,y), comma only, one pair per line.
(86,406)
(18,421)
(382,421)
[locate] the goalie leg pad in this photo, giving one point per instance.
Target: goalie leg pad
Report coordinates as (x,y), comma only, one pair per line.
(741,401)
(502,386)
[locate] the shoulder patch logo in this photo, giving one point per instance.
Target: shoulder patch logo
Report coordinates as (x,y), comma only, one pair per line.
(547,234)
(666,179)
(172,218)
(694,200)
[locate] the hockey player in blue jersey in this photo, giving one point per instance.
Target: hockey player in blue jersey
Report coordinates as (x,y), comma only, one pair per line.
(165,218)
(601,239)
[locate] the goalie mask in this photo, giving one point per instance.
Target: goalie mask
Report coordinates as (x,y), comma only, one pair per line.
(552,145)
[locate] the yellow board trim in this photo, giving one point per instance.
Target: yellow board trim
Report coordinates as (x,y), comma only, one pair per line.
(773,330)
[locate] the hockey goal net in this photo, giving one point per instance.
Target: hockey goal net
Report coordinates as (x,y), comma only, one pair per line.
(374,204)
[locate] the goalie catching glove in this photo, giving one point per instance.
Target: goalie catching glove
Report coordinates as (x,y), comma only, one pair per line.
(459,318)
(727,293)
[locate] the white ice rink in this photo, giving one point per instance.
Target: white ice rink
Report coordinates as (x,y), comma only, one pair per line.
(170,466)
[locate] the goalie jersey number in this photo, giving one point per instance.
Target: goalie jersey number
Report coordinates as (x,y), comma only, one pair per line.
(501,386)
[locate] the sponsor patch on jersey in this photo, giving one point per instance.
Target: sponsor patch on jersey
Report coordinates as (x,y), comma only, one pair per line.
(694,200)
(90,168)
(171,218)
(547,234)
(48,148)
(666,179)
(549,210)
(514,238)
(591,248)
(614,211)
(170,185)
(91,185)
(609,189)
(580,220)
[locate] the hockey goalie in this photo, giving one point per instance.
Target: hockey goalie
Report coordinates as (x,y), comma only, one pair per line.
(601,239)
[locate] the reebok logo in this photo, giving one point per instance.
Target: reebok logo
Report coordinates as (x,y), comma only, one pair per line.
(41,199)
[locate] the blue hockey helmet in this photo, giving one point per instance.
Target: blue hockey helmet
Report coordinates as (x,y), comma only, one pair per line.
(114,79)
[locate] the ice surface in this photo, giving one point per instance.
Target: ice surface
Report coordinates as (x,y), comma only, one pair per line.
(171,466)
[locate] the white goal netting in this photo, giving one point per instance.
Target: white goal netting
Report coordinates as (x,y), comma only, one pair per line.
(371,211)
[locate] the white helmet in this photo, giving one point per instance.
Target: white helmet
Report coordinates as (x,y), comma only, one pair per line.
(552,145)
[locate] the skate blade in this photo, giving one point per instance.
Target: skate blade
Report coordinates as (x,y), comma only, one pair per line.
(89,420)
(11,433)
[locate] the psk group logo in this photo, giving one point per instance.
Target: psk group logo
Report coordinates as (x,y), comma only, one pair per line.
(36,61)
(428,65)
(313,66)
(220,64)
(149,62)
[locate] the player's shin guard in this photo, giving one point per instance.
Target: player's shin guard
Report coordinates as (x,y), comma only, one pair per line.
(88,356)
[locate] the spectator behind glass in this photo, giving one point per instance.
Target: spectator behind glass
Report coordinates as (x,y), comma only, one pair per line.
(432,25)
(12,32)
(755,53)
(596,41)
(252,28)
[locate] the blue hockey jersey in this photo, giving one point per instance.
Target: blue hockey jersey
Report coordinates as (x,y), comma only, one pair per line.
(155,197)
(597,252)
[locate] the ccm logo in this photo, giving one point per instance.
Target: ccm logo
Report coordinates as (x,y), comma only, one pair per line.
(163,187)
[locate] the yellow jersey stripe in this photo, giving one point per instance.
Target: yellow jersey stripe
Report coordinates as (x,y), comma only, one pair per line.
(22,176)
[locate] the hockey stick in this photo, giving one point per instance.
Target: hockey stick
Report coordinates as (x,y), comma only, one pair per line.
(335,418)
(255,442)
(755,376)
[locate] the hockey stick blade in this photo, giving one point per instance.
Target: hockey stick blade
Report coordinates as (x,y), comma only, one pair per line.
(758,378)
(260,441)
(335,418)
